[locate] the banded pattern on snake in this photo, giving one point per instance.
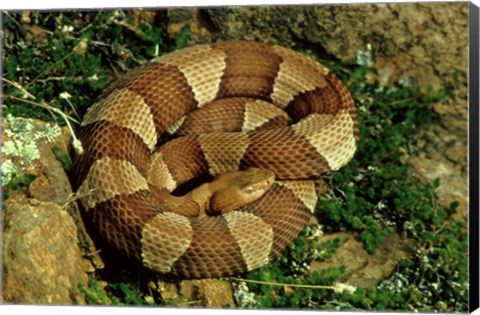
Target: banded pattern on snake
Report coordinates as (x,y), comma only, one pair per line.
(228,106)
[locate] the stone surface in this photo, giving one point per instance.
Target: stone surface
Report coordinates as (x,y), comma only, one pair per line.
(192,18)
(211,293)
(453,186)
(42,262)
(362,269)
(42,231)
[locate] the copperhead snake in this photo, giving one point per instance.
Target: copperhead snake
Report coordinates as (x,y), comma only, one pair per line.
(227,106)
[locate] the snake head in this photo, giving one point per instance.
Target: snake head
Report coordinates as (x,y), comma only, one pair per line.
(254,182)
(236,189)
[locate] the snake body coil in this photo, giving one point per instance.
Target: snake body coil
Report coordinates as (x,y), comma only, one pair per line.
(254,105)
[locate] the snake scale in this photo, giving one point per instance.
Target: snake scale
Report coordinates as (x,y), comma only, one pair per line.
(224,107)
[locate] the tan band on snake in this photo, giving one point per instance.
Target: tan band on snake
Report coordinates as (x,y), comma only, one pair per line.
(227,106)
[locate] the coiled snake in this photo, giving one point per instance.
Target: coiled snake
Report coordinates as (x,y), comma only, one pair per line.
(235,105)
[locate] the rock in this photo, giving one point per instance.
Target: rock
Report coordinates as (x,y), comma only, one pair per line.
(180,18)
(362,269)
(211,293)
(42,260)
(453,184)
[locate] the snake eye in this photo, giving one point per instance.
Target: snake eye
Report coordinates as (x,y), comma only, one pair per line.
(248,189)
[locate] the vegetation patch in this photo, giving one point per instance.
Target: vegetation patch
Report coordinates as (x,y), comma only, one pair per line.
(121,293)
(64,59)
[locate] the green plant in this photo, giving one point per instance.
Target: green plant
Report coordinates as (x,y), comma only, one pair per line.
(75,55)
(94,295)
(117,293)
(62,157)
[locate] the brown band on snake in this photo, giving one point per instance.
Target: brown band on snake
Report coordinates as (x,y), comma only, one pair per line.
(320,100)
(286,223)
(225,120)
(122,222)
(125,180)
(185,158)
(201,257)
(178,101)
(294,156)
(95,140)
(242,78)
(232,115)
